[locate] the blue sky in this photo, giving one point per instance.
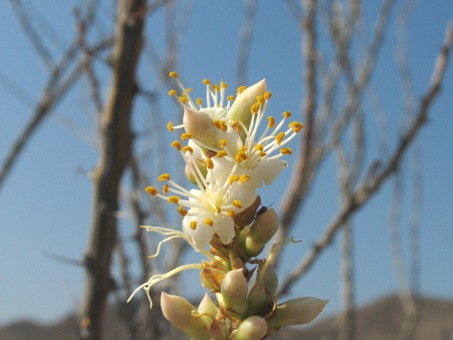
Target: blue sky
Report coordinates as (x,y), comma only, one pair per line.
(45,203)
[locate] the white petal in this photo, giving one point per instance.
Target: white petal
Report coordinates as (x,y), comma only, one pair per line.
(269,169)
(224,228)
(201,236)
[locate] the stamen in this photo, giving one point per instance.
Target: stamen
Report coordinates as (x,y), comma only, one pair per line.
(164,177)
(183,212)
(173,199)
(286,151)
(208,222)
(176,144)
(186,135)
(152,190)
(193,225)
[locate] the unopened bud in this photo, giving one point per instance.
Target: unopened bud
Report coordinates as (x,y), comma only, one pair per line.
(270,279)
(296,312)
(252,328)
(256,298)
(234,288)
(208,307)
(264,227)
(241,108)
(199,125)
(184,316)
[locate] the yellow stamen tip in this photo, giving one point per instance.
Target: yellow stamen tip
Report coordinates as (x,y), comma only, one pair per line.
(286,151)
(173,199)
(237,204)
(267,95)
(208,222)
(172,93)
(286,114)
(187,148)
(173,74)
(193,225)
(152,190)
(176,144)
(241,89)
(166,189)
(164,177)
(170,126)
(206,82)
(183,212)
(296,126)
(186,135)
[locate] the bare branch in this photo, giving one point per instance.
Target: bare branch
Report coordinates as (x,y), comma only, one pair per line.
(373,183)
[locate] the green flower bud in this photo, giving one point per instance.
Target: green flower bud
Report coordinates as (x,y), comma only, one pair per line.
(296,312)
(184,316)
(234,288)
(264,227)
(256,298)
(241,108)
(252,328)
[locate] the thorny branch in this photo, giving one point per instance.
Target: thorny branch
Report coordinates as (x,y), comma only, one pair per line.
(373,183)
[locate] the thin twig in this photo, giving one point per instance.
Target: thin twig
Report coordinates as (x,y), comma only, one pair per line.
(372,184)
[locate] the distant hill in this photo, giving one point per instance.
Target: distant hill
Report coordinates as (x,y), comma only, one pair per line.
(379,320)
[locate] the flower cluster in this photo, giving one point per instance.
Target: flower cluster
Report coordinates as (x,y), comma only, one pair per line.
(230,150)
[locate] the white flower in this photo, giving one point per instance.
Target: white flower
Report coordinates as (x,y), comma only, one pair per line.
(233,129)
(210,209)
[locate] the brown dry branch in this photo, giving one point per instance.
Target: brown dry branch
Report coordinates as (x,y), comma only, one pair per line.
(115,155)
(370,185)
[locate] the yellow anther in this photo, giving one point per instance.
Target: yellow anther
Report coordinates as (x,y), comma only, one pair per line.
(206,82)
(223,125)
(241,156)
(164,177)
(173,74)
(232,179)
(177,145)
(244,178)
(216,88)
(286,114)
(237,204)
(216,123)
(186,135)
(280,137)
(255,108)
(296,126)
(152,190)
(241,89)
(230,213)
(271,122)
(193,225)
(223,85)
(172,93)
(166,189)
(183,212)
(170,126)
(208,222)
(267,95)
(221,153)
(259,147)
(199,101)
(231,98)
(173,199)
(183,99)
(263,154)
(187,148)
(223,142)
(286,151)
(243,149)
(209,163)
